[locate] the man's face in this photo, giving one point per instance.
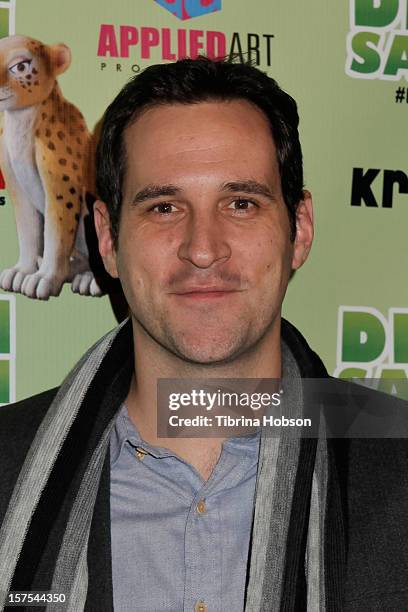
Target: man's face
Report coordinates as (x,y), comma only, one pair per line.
(204,252)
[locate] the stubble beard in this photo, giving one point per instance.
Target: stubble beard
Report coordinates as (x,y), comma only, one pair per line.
(242,341)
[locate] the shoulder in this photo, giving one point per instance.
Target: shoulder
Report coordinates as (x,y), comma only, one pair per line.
(18,425)
(357,411)
(22,417)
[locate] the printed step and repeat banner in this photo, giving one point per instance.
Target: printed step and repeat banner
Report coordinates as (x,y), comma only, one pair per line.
(346,64)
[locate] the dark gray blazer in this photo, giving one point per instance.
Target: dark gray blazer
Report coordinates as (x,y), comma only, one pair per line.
(367,512)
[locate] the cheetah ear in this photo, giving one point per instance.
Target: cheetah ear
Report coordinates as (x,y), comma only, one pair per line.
(60,58)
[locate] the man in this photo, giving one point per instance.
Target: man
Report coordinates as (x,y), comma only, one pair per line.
(203,218)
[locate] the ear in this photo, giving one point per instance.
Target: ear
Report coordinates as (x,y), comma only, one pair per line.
(304,230)
(105,240)
(60,58)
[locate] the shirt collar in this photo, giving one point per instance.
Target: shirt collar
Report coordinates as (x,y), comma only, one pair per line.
(126,432)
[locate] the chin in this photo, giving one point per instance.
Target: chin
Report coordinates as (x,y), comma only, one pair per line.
(205,360)
(206,355)
(7,105)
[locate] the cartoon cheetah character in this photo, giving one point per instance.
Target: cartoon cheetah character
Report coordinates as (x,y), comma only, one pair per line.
(45,156)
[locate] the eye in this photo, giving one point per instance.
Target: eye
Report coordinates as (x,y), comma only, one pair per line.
(164,208)
(242,205)
(20,68)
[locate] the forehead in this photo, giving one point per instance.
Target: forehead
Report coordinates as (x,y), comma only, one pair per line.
(12,44)
(215,137)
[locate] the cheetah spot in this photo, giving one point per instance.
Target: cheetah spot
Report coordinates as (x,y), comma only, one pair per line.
(61,135)
(75,166)
(59,196)
(69,205)
(65,178)
(76,216)
(62,161)
(72,190)
(51,146)
(69,150)
(48,133)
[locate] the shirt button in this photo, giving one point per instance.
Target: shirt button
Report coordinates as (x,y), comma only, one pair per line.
(140,453)
(201,508)
(200,607)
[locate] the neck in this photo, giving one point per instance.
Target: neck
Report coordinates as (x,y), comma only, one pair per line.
(153,362)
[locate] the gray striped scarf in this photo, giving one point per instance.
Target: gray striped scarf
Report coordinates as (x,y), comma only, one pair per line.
(279,463)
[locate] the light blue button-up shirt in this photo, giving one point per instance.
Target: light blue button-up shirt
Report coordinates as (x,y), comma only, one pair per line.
(178,540)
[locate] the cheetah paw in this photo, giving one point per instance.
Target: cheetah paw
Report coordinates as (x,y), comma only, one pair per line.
(85,284)
(40,286)
(12,279)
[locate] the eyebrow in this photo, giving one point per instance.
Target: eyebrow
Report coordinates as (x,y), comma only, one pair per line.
(151,192)
(155,191)
(250,187)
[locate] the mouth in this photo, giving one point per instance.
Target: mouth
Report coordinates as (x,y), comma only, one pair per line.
(205,293)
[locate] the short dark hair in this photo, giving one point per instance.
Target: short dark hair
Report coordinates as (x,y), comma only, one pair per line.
(189,81)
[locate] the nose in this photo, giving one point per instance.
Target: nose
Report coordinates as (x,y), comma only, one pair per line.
(204,240)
